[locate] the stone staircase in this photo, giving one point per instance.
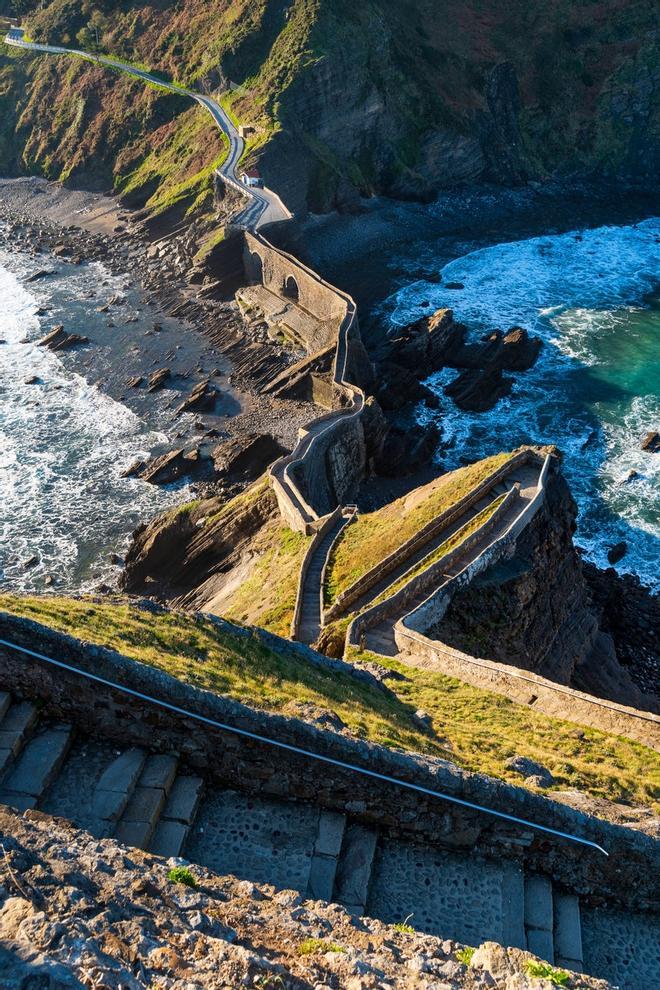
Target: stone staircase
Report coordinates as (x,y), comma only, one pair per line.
(310,615)
(155,802)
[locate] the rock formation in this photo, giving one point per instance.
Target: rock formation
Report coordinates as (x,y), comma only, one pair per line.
(534,611)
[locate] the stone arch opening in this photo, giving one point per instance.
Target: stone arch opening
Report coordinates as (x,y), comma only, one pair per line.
(256,267)
(290,288)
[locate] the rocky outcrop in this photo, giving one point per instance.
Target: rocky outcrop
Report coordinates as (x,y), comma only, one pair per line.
(59,340)
(176,552)
(77,911)
(535,612)
(245,458)
(438,341)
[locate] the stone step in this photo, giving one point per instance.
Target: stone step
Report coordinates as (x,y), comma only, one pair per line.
(325,858)
(116,785)
(36,767)
(351,887)
(539,917)
(19,718)
(142,811)
(177,816)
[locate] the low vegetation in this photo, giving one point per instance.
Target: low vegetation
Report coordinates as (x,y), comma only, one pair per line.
(377,534)
(267,594)
(543,970)
(315,946)
(460,536)
(477,729)
(181,874)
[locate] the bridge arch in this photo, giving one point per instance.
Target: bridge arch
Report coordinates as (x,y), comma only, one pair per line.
(290,288)
(256,267)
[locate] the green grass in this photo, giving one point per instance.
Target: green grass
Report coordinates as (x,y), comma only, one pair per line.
(377,534)
(181,874)
(465,955)
(315,946)
(212,239)
(477,729)
(445,548)
(483,730)
(195,651)
(558,977)
(267,597)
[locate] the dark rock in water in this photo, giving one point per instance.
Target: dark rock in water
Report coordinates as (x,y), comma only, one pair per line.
(454,285)
(42,273)
(477,390)
(651,442)
(134,470)
(62,250)
(115,559)
(49,580)
(591,440)
(519,351)
(158,379)
(135,382)
(172,466)
(31,562)
(59,340)
(631,476)
(32,380)
(245,458)
(617,552)
(406,451)
(202,398)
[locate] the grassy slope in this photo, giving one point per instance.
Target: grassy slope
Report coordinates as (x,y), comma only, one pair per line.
(376,534)
(267,596)
(481,730)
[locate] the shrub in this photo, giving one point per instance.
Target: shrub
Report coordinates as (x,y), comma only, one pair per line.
(558,977)
(313,945)
(181,874)
(465,955)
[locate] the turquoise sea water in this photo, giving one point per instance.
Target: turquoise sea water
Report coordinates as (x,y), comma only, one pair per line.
(593,296)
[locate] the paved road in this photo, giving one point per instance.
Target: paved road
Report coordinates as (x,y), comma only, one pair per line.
(264,206)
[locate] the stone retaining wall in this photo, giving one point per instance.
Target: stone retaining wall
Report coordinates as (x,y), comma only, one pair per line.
(253,766)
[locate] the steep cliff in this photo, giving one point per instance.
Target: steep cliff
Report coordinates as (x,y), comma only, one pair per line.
(346,98)
(535,610)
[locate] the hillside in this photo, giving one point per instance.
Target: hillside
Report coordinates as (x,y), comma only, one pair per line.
(475,729)
(377,97)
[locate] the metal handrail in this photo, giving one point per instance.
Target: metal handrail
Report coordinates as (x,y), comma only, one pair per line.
(309,754)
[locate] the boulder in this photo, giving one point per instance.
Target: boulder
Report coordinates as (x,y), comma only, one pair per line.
(59,340)
(202,398)
(651,442)
(478,390)
(532,772)
(617,552)
(245,458)
(158,379)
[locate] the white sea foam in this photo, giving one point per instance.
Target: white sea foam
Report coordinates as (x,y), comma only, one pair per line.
(63,446)
(593,391)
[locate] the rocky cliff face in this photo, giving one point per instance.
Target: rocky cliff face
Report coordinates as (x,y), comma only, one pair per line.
(347,98)
(535,610)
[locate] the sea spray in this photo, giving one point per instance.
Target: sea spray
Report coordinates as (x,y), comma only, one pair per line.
(63,444)
(595,390)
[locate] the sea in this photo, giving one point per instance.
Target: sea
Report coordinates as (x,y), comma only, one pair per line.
(64,507)
(593,297)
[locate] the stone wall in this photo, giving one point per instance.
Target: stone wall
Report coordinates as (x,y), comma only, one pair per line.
(254,766)
(401,600)
(288,278)
(528,688)
(407,549)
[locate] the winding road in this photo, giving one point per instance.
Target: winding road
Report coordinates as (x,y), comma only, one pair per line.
(264,206)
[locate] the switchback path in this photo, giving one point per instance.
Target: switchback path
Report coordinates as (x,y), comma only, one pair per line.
(264,205)
(380,637)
